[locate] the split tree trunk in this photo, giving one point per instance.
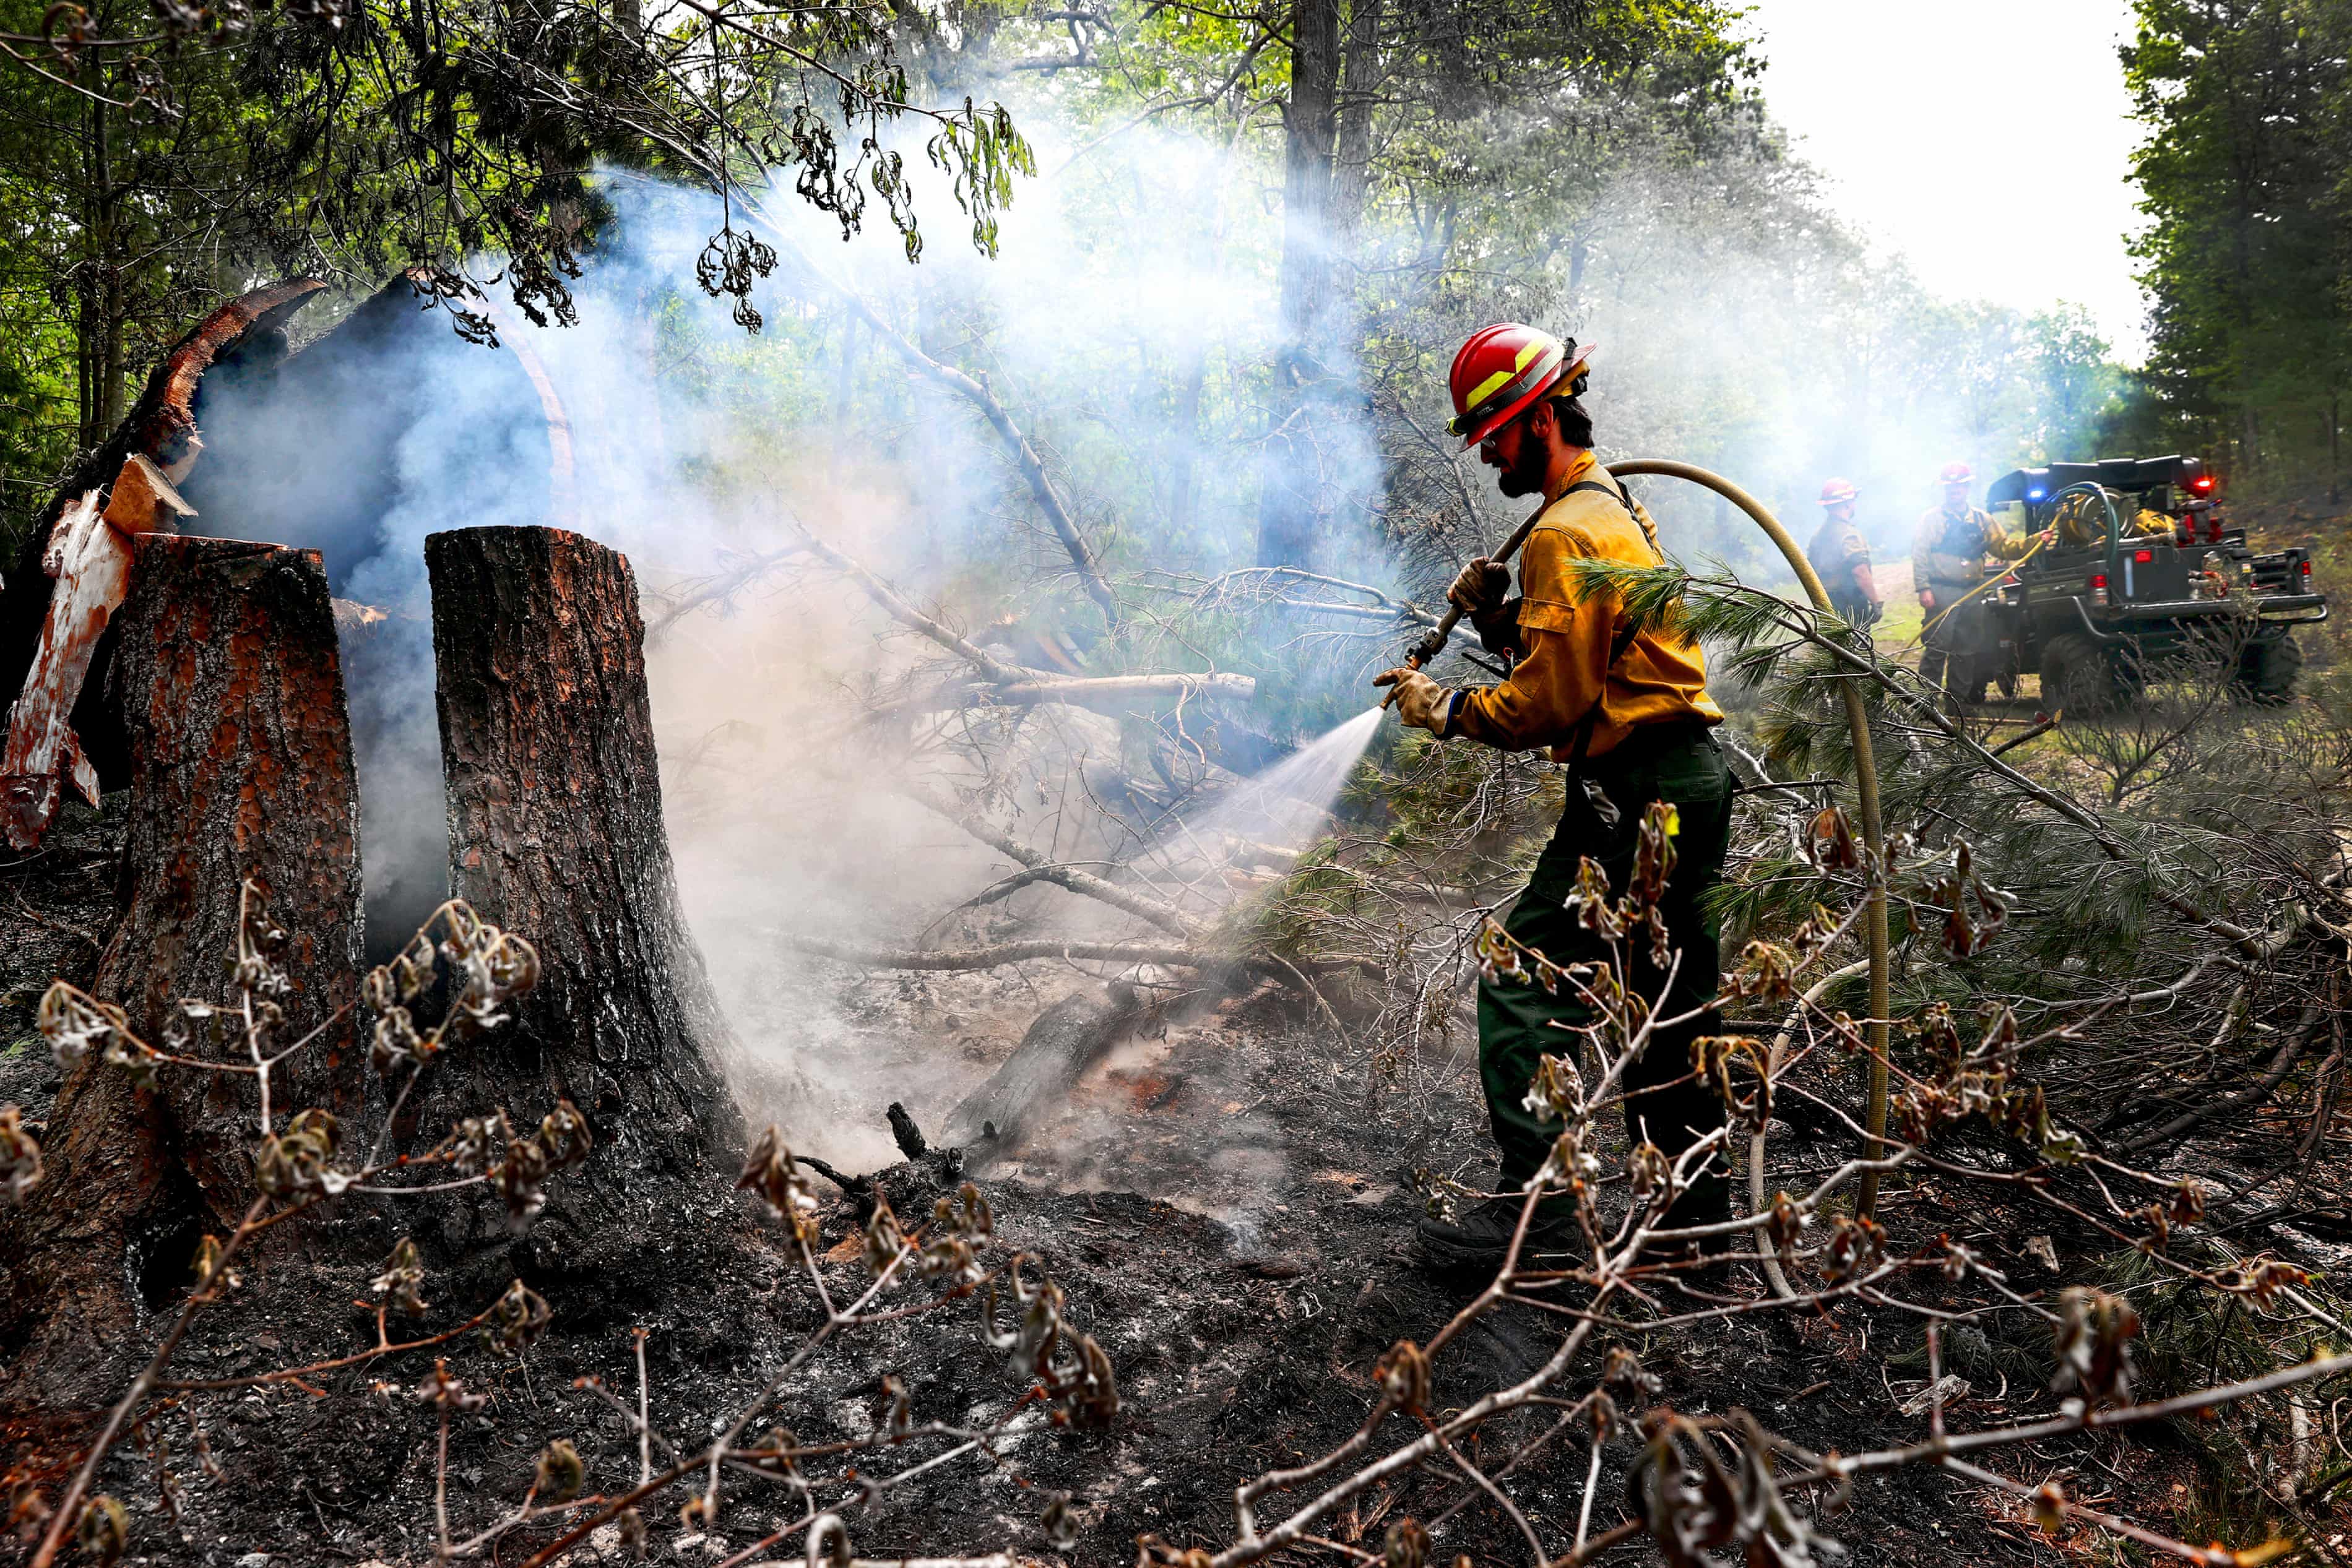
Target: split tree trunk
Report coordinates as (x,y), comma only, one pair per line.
(247,333)
(230,687)
(556,834)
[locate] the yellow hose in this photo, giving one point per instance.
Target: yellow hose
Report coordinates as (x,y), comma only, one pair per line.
(1865,769)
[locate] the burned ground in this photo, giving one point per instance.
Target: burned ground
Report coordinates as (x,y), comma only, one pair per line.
(1244,1318)
(1221,1195)
(60,907)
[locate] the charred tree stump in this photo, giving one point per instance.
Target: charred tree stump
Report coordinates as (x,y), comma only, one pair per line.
(556,834)
(231,691)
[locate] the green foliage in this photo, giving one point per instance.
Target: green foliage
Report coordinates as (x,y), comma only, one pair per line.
(2242,174)
(459,138)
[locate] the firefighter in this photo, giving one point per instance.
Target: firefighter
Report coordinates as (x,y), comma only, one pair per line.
(1629,713)
(1841,558)
(1948,560)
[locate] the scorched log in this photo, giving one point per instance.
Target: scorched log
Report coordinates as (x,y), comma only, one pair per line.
(231,690)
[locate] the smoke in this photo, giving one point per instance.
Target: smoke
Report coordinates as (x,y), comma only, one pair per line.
(657,425)
(1743,327)
(1129,323)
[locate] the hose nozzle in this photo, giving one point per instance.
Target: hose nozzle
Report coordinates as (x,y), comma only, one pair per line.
(1429,647)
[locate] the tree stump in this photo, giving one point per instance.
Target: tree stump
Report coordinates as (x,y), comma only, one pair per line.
(556,834)
(230,687)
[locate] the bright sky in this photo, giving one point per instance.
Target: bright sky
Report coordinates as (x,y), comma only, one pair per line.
(1985,140)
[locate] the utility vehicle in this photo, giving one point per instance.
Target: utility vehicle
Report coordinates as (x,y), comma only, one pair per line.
(2098,618)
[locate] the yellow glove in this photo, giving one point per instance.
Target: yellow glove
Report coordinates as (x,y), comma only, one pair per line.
(1480,589)
(1419,701)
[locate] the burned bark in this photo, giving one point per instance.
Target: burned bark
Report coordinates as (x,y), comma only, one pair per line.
(231,690)
(906,1133)
(556,831)
(160,426)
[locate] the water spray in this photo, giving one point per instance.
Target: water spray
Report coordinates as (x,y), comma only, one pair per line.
(1276,814)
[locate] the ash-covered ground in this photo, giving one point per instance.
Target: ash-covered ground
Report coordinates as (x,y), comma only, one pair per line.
(57,908)
(1227,1206)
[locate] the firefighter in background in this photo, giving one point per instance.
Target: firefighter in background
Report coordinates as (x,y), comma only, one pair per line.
(1841,558)
(1628,712)
(1948,560)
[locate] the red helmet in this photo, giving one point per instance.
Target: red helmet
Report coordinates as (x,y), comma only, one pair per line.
(1957,474)
(1502,370)
(1837,492)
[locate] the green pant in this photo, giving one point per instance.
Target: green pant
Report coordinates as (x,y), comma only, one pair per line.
(1518,1021)
(1952,649)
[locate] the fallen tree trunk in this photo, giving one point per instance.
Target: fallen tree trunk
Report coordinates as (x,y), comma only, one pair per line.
(1063,1042)
(2305,1029)
(1014,685)
(1085,883)
(989,957)
(231,690)
(556,834)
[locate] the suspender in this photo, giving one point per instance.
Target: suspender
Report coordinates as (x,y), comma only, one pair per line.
(1617,494)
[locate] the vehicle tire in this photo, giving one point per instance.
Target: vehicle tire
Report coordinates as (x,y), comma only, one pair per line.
(2267,670)
(2075,675)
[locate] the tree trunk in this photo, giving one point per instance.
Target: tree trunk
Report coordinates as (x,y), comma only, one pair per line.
(91,355)
(1290,469)
(231,689)
(845,395)
(1310,125)
(1351,153)
(1062,1042)
(2337,431)
(556,834)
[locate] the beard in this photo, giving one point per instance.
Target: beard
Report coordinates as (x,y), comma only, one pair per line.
(1525,476)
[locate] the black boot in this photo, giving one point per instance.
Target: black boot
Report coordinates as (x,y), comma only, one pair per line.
(1480,1235)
